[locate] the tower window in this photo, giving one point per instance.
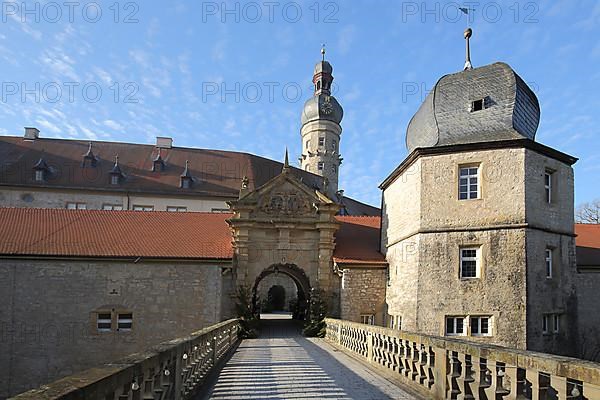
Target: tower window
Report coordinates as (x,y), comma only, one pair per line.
(480,326)
(333,145)
(469,262)
(548,186)
(367,319)
(124,321)
(320,165)
(321,141)
(549,263)
(307,144)
(468,183)
(455,326)
(104,322)
(333,169)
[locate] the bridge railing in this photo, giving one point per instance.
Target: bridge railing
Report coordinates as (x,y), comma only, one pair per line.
(172,370)
(442,368)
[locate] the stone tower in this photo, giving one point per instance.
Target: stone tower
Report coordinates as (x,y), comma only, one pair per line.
(477,223)
(321,129)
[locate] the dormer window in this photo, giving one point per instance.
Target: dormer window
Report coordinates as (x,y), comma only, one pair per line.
(116,175)
(186,178)
(89,157)
(41,170)
(479,104)
(158,163)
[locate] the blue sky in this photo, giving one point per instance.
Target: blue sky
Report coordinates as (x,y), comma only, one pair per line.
(235,75)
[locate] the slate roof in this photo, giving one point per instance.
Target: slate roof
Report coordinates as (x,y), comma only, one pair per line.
(158,234)
(511,109)
(216,173)
(588,245)
(357,241)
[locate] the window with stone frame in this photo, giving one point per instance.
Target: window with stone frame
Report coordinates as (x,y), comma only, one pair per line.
(469,262)
(321,141)
(320,165)
(104,321)
(71,205)
(368,319)
(548,183)
(124,321)
(114,207)
(455,326)
(142,208)
(549,263)
(481,325)
(468,183)
(176,209)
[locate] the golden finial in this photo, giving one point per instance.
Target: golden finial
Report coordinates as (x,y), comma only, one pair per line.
(323,51)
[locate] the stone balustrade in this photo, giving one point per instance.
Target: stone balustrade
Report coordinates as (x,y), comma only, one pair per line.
(442,368)
(172,370)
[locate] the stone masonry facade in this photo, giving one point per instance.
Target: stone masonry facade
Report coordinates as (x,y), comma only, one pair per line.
(49,319)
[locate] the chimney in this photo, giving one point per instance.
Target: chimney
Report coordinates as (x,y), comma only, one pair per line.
(31,133)
(164,142)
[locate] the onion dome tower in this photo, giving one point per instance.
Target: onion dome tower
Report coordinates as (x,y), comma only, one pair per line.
(321,130)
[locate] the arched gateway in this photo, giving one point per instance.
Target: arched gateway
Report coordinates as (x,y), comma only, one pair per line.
(300,279)
(286,226)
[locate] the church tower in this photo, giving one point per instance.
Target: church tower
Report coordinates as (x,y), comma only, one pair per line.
(321,129)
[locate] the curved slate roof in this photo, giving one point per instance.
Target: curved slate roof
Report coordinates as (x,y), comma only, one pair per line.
(316,108)
(511,109)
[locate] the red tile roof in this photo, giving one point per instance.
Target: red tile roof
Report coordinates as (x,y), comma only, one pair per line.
(588,235)
(156,234)
(588,245)
(357,241)
(97,233)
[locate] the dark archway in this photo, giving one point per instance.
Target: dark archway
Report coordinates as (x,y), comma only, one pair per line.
(277,297)
(300,279)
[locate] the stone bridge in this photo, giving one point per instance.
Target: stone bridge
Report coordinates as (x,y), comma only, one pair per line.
(353,361)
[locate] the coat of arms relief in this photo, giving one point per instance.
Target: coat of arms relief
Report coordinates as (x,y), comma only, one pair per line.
(286,203)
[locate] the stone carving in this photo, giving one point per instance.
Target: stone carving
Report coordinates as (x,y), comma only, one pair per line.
(286,203)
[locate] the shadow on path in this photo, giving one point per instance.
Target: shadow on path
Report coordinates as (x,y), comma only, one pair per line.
(282,364)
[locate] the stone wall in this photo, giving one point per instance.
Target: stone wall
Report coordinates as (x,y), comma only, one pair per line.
(363,293)
(48,318)
(499,292)
(55,198)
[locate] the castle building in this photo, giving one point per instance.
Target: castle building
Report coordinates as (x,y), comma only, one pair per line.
(478,221)
(475,238)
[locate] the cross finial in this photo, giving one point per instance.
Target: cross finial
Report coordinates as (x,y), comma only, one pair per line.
(468,34)
(117,159)
(323,51)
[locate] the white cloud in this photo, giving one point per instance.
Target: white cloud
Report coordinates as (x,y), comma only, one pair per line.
(109,123)
(44,123)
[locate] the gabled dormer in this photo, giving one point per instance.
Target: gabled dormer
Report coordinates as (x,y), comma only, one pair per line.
(116,175)
(41,171)
(158,164)
(186,180)
(89,158)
